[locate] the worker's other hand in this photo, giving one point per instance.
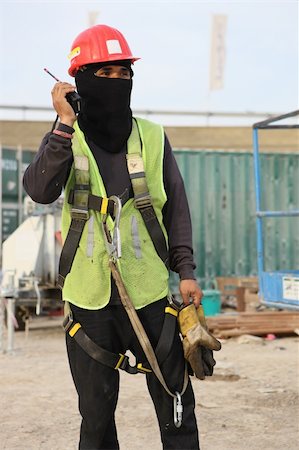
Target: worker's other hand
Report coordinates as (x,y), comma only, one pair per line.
(190,292)
(60,103)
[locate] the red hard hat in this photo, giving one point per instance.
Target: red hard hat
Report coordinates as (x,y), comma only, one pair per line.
(100,43)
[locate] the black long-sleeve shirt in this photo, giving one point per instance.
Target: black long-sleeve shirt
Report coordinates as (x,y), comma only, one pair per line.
(46,176)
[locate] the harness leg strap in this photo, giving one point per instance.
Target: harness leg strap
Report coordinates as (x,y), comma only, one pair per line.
(120,361)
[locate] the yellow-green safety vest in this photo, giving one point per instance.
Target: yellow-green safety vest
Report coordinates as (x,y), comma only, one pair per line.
(88,285)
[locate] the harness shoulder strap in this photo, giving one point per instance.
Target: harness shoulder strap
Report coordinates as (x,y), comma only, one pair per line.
(82,200)
(79,215)
(142,198)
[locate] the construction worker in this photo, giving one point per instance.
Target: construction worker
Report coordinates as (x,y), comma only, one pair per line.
(87,155)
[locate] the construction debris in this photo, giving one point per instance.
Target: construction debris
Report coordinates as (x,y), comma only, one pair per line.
(255,323)
(249,338)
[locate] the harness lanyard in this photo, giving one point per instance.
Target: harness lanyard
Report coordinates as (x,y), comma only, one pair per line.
(113,249)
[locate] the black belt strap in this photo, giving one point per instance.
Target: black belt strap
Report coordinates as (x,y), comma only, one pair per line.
(94,202)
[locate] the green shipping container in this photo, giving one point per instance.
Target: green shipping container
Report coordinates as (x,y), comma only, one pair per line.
(10,220)
(220,189)
(10,177)
(12,174)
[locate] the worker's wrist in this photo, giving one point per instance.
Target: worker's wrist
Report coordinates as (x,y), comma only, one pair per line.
(187,273)
(65,128)
(68,121)
(63,134)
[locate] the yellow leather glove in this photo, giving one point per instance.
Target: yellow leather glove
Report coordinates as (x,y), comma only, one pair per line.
(198,342)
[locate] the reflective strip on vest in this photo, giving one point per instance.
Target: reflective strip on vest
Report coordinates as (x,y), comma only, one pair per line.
(90,237)
(135,237)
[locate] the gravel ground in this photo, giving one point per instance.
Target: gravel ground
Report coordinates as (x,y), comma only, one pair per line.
(251,402)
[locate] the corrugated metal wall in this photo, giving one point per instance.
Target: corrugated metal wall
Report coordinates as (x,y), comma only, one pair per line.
(220,189)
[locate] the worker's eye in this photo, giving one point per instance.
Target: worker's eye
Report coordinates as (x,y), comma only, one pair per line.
(126,74)
(113,72)
(103,72)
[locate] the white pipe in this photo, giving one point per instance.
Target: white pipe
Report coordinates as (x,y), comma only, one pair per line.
(20,183)
(1,218)
(11,306)
(2,319)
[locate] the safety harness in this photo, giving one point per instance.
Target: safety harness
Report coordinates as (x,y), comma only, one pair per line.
(82,201)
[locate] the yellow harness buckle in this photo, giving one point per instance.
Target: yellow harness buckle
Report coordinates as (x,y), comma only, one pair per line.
(104,206)
(142,369)
(74,329)
(170,310)
(119,361)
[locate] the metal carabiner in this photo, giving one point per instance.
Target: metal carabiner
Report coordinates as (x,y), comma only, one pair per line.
(177,410)
(113,243)
(116,232)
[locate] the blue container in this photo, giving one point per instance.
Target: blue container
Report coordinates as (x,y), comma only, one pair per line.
(280,289)
(211,302)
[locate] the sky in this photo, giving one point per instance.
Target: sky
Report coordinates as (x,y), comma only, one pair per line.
(173,40)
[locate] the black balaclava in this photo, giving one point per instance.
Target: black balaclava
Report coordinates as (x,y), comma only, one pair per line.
(106,116)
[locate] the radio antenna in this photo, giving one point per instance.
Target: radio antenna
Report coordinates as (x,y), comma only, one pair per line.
(53,76)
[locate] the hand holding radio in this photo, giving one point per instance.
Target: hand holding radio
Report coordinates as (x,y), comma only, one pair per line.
(63,108)
(66,101)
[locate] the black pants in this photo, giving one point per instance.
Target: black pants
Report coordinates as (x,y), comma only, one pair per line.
(98,385)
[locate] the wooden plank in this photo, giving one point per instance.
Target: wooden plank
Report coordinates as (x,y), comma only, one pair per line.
(238,332)
(240,295)
(259,323)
